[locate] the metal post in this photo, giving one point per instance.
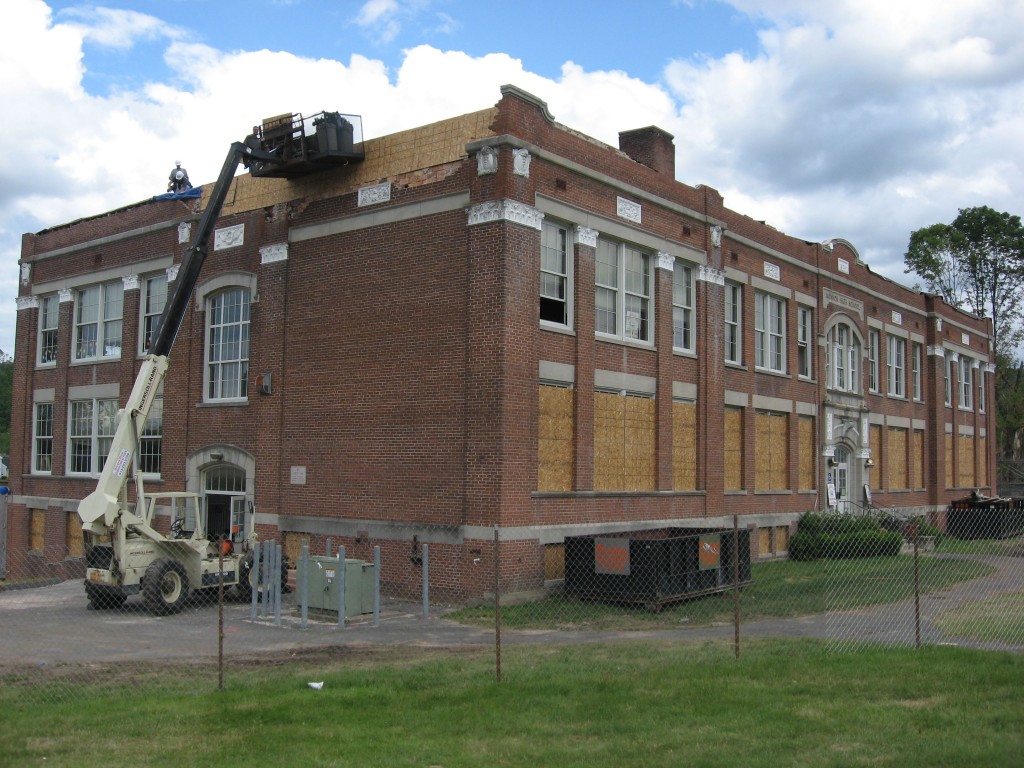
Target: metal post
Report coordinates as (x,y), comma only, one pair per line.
(304,584)
(254,582)
(268,549)
(736,582)
(341,585)
(276,581)
(220,616)
(376,586)
(917,590)
(327,548)
(426,582)
(497,605)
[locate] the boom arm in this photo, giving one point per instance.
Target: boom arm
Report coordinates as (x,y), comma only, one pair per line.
(100,509)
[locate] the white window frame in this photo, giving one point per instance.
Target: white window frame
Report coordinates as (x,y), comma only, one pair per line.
(49,321)
(615,281)
(107,322)
(915,368)
(151,306)
(966,383)
(844,355)
(39,439)
(551,279)
(981,389)
(683,293)
(896,365)
(151,441)
(769,332)
(733,323)
(874,342)
(99,418)
(805,347)
(216,364)
(949,380)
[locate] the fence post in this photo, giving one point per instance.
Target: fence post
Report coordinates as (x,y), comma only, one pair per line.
(917,589)
(254,582)
(220,616)
(341,585)
(268,564)
(376,586)
(327,548)
(276,581)
(426,582)
(736,582)
(304,584)
(497,605)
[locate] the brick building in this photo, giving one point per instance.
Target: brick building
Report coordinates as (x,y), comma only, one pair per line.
(493,320)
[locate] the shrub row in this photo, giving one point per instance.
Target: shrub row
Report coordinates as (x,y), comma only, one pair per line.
(839,546)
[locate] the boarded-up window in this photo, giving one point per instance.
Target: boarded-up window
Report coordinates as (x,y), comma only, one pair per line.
(982,480)
(74,545)
(764,542)
(806,453)
(684,446)
(781,539)
(917,460)
(554,561)
(554,438)
(36,530)
(771,451)
(949,461)
(624,442)
(291,546)
(897,458)
(965,447)
(733,449)
(875,441)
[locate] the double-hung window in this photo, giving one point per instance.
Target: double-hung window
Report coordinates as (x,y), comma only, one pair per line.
(682,306)
(733,323)
(948,379)
(49,307)
(555,275)
(227,349)
(915,368)
(42,438)
(874,342)
(804,335)
(622,292)
(98,310)
(90,433)
(154,297)
(966,383)
(769,332)
(896,355)
(844,356)
(981,389)
(151,439)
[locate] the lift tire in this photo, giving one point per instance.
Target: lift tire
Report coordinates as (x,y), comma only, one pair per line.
(165,587)
(245,577)
(104,598)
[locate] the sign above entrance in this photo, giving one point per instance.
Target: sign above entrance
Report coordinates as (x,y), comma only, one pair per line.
(846,302)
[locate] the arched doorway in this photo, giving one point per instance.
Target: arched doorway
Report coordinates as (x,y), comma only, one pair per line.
(224,501)
(842,478)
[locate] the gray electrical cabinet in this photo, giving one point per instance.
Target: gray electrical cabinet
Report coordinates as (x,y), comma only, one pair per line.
(323,585)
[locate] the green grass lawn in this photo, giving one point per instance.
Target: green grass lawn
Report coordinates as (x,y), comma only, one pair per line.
(780,589)
(784,703)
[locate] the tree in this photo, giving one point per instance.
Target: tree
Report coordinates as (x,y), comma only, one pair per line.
(976,263)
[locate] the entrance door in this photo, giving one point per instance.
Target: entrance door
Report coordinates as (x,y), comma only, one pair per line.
(224,498)
(842,456)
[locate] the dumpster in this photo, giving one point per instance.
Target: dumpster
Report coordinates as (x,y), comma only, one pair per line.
(323,585)
(654,567)
(984,517)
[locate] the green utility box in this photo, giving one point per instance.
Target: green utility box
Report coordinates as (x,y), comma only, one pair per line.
(323,580)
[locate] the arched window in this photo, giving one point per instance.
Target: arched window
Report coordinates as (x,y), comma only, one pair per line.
(227,348)
(844,355)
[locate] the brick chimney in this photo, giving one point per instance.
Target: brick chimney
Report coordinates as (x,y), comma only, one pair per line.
(650,146)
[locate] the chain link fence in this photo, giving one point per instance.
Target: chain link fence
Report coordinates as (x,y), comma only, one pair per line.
(851,581)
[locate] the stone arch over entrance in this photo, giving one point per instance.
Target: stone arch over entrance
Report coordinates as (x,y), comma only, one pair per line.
(219,463)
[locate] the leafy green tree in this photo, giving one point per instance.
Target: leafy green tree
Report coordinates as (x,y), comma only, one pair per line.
(6,379)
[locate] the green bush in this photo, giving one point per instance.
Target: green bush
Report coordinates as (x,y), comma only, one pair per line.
(838,537)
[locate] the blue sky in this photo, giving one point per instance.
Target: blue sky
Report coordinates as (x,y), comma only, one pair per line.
(861,119)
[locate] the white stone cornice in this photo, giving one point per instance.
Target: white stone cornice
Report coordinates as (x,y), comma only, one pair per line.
(716,236)
(521,162)
(65,294)
(378,193)
(990,367)
(269,254)
(172,272)
(486,161)
(229,237)
(505,210)
(710,275)
(586,236)
(666,261)
(936,350)
(27,302)
(26,273)
(184,231)
(627,209)
(130,282)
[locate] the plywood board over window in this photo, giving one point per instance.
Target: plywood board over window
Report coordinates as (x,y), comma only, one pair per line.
(875,438)
(684,446)
(806,453)
(917,460)
(733,449)
(624,442)
(982,480)
(897,458)
(771,451)
(36,530)
(949,461)
(965,448)
(74,545)
(554,438)
(291,546)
